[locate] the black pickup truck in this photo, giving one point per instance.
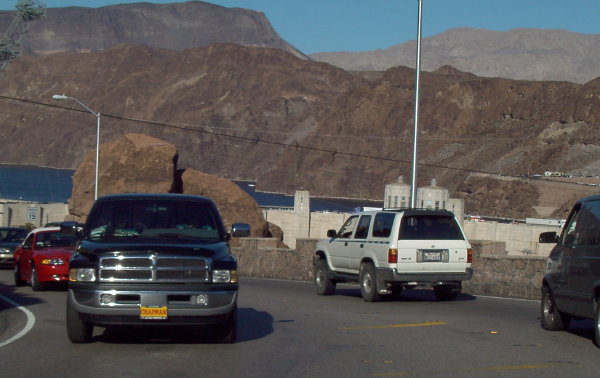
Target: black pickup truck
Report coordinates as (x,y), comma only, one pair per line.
(153,259)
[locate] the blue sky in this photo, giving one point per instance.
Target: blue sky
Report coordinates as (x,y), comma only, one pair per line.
(364,25)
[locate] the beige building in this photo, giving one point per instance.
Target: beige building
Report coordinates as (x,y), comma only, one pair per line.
(397,194)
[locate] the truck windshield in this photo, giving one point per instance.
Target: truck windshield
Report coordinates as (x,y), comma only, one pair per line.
(427,227)
(153,218)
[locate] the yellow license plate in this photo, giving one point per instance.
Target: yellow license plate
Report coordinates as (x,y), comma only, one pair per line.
(153,312)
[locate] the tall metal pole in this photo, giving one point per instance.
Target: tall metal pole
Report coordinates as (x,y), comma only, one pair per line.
(64,97)
(413,188)
(97,156)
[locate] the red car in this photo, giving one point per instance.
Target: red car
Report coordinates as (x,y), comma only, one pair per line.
(43,257)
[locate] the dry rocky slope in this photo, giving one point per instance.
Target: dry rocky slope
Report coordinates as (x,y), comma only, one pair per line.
(524,54)
(264,114)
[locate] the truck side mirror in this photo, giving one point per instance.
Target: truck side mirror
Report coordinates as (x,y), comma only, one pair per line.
(331,233)
(240,230)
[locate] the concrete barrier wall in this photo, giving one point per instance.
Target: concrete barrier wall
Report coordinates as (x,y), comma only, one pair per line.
(320,222)
(495,275)
(520,239)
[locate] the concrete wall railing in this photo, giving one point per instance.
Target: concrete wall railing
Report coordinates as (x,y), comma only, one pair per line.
(519,239)
(495,273)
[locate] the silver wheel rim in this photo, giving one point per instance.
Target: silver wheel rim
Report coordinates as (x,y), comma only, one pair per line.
(598,320)
(548,309)
(367,284)
(320,277)
(33,276)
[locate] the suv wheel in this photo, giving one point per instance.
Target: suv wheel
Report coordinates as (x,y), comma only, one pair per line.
(552,318)
(18,280)
(444,293)
(325,285)
(368,283)
(78,330)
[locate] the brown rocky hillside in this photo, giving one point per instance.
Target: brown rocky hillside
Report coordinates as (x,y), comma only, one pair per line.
(263,114)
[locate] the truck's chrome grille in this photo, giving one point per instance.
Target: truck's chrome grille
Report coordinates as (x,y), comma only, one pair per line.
(152,267)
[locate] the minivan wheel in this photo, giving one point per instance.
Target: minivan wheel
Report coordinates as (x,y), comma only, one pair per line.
(368,283)
(77,330)
(597,324)
(325,285)
(552,318)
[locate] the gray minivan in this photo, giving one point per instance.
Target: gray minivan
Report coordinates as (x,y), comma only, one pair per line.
(571,285)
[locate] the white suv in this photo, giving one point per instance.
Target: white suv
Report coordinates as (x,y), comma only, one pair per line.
(392,249)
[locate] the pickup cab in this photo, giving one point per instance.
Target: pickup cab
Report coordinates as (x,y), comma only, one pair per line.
(153,259)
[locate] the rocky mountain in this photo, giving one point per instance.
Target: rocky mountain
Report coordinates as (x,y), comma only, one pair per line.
(263,114)
(175,26)
(522,54)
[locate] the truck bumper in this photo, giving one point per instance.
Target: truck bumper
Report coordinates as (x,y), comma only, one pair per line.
(122,307)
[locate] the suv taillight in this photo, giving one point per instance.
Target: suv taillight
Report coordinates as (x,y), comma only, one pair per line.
(469,255)
(392,256)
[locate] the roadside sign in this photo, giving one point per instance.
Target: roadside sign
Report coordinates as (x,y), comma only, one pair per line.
(33,214)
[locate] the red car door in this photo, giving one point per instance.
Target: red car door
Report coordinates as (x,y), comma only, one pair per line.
(23,254)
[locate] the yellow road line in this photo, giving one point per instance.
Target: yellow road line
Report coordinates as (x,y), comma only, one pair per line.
(395,325)
(471,370)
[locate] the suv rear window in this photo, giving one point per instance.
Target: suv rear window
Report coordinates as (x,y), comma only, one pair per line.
(429,227)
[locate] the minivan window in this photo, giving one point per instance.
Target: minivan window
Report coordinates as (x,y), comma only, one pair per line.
(569,235)
(429,227)
(589,224)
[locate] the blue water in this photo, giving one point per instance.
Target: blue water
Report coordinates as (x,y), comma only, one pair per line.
(39,184)
(36,184)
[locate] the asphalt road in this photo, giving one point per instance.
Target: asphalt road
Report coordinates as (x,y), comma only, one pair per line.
(286,330)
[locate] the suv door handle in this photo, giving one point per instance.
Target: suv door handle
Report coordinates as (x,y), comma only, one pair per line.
(361,245)
(345,244)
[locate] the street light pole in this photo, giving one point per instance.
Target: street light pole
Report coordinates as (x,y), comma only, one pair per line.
(63,97)
(413,188)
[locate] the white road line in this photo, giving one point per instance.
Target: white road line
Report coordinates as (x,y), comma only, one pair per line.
(28,326)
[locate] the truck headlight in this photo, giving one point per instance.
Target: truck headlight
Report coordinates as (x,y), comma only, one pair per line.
(82,275)
(5,250)
(225,276)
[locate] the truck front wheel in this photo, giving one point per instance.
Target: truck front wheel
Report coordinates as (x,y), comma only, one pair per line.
(79,331)
(226,333)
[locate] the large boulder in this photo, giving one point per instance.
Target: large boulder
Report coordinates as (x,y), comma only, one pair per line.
(138,163)
(234,204)
(135,163)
